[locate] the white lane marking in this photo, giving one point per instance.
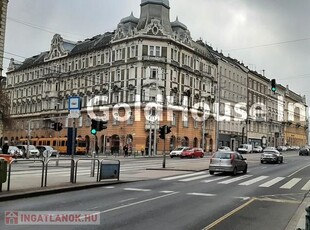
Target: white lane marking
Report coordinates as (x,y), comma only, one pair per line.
(243,197)
(307,186)
(109,187)
(182,176)
(200,194)
(291,183)
(234,179)
(298,170)
(166,191)
(137,189)
(135,203)
(216,179)
(272,182)
(195,178)
(249,182)
(121,201)
(92,208)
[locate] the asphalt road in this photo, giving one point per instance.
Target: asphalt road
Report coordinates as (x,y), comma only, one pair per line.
(265,198)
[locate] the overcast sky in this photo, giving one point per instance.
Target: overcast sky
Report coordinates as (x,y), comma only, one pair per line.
(270,35)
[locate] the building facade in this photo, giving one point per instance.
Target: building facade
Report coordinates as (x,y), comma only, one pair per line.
(148,67)
(3,13)
(232,82)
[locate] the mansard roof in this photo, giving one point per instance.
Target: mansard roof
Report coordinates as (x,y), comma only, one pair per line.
(94,43)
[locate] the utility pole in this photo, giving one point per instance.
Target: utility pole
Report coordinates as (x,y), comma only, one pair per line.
(203,130)
(218,111)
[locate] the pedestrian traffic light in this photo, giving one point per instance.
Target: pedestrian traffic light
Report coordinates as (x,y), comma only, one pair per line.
(162,132)
(273,85)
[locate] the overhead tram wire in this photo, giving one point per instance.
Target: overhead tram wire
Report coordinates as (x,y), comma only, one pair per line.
(51,31)
(269,44)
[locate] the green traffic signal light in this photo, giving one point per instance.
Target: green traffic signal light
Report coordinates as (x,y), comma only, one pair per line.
(273,85)
(93,131)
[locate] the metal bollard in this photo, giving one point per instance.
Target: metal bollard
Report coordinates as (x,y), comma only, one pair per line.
(308,218)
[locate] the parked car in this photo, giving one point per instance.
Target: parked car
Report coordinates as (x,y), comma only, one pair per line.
(47,151)
(33,151)
(224,148)
(227,161)
(273,156)
(192,153)
(304,151)
(178,151)
(245,148)
(258,149)
(15,152)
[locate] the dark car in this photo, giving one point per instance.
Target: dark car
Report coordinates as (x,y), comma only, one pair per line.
(304,151)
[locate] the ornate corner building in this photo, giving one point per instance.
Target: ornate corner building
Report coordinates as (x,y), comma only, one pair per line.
(145,60)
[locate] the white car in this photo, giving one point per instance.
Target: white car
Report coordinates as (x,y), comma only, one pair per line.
(15,152)
(178,151)
(33,151)
(224,148)
(257,149)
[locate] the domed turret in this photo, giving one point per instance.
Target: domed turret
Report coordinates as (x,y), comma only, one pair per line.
(179,24)
(130,18)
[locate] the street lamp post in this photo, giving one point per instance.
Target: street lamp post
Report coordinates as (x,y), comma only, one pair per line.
(218,111)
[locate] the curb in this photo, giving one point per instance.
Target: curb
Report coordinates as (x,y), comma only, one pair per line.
(294,221)
(49,191)
(172,169)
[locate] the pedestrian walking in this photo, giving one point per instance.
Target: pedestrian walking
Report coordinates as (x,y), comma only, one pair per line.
(5,148)
(125,148)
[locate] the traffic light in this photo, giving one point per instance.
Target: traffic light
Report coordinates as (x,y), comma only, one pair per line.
(97,126)
(57,126)
(168,130)
(273,85)
(102,125)
(162,132)
(94,125)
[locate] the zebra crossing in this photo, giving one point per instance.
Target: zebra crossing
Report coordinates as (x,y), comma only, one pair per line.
(262,181)
(82,170)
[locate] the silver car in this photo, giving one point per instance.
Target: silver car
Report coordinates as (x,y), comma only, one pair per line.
(227,161)
(273,156)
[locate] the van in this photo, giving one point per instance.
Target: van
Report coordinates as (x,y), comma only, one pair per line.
(245,148)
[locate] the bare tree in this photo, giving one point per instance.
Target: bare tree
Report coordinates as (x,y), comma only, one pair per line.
(5,108)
